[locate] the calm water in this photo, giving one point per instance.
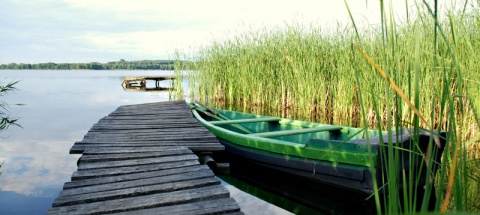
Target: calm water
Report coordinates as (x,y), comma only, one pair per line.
(55,109)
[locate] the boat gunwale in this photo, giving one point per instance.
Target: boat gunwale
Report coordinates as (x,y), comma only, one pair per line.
(252,120)
(292,149)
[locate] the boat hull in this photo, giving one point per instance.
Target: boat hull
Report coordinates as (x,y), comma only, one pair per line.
(355,178)
(349,158)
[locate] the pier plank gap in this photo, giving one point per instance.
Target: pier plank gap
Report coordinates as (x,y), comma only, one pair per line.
(144,159)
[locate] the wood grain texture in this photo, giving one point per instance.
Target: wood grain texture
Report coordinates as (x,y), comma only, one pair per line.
(140,159)
(145,201)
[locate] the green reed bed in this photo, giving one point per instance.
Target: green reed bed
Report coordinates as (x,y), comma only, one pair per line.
(310,74)
(304,72)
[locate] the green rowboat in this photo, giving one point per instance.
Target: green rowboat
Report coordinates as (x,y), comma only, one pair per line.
(335,155)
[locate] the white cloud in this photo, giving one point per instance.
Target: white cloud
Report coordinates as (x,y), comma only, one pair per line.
(146,43)
(48,170)
(151,29)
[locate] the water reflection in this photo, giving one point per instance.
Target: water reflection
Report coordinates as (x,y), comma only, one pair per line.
(59,108)
(147,87)
(14,203)
(251,204)
(152,83)
(295,194)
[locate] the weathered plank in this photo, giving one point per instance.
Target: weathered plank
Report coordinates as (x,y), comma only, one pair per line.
(136,162)
(97,127)
(120,150)
(219,206)
(89,158)
(133,176)
(170,141)
(148,131)
(143,202)
(135,122)
(138,183)
(151,104)
(177,133)
(112,139)
(166,110)
(139,114)
(161,112)
(95,173)
(171,138)
(147,120)
(165,131)
(196,147)
(140,160)
(134,191)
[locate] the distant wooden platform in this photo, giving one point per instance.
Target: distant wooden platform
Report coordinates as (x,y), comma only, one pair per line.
(143,159)
(139,83)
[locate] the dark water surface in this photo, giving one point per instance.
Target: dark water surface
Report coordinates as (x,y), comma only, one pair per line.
(55,109)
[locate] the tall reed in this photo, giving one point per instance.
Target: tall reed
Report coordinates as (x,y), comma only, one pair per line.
(304,72)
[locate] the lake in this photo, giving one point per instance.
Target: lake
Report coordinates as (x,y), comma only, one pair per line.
(54,109)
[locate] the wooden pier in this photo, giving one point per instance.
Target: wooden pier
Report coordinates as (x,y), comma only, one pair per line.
(142,80)
(144,159)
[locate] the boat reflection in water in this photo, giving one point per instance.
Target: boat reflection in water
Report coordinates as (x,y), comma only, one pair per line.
(299,195)
(295,194)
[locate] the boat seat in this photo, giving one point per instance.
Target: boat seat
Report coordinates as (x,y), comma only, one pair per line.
(238,121)
(296,131)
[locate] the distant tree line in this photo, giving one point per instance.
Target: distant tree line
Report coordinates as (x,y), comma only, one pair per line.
(116,65)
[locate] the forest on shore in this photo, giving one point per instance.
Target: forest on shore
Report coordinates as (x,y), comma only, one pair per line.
(114,65)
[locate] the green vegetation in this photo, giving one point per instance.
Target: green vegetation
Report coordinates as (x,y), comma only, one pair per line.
(117,65)
(303,72)
(6,121)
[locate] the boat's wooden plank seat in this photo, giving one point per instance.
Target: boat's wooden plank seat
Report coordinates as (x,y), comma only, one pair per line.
(238,121)
(296,131)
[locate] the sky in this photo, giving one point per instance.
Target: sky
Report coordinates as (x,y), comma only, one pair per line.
(82,31)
